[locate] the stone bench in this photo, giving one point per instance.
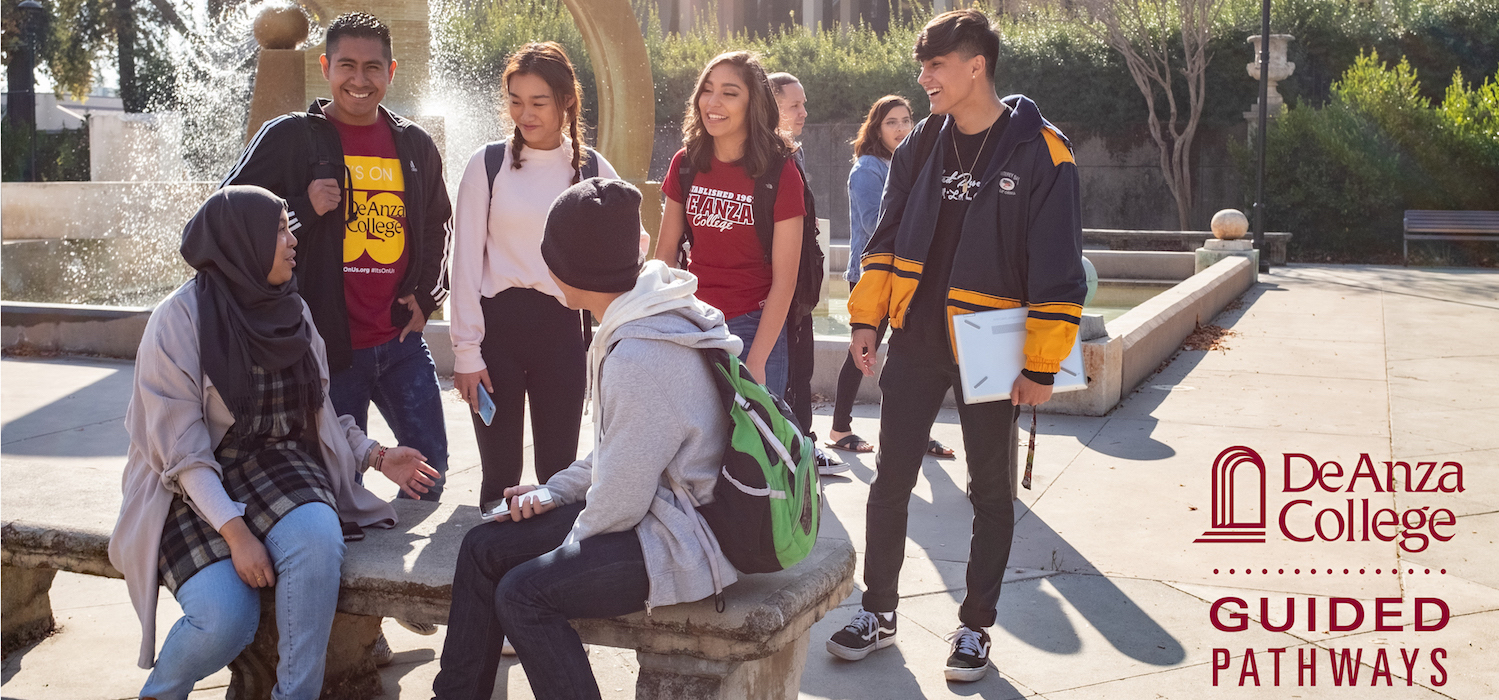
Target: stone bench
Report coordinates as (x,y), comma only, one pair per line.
(756,648)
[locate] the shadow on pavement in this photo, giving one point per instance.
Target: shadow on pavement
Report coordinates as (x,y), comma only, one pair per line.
(1038,619)
(837,677)
(102,402)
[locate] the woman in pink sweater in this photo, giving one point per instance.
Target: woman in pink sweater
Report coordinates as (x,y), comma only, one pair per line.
(513,335)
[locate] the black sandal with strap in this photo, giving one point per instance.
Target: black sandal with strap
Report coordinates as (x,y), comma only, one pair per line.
(852,443)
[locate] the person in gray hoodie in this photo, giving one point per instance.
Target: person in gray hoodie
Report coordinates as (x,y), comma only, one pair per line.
(620,534)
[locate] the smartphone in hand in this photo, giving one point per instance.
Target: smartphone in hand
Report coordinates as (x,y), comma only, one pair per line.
(501,508)
(486,405)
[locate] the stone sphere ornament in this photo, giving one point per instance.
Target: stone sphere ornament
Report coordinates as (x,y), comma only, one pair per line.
(1091,273)
(1230,224)
(281,27)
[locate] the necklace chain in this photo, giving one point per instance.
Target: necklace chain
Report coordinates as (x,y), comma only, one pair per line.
(958,155)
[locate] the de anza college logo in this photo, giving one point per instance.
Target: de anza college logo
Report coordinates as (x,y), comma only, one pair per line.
(1356,505)
(1238,513)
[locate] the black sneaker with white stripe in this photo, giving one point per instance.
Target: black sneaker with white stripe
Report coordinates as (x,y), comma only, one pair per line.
(865,633)
(970,655)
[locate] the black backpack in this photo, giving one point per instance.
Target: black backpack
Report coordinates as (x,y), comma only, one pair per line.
(494,158)
(809,273)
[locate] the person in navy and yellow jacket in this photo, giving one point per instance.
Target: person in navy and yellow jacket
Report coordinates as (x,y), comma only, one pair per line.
(981,211)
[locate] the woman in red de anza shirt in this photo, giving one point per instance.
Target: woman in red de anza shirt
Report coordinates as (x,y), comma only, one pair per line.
(729,140)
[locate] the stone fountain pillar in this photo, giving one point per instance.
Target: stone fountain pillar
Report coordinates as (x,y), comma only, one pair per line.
(280,82)
(1280,69)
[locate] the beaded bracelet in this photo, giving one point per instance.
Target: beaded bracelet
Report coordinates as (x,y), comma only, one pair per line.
(379,458)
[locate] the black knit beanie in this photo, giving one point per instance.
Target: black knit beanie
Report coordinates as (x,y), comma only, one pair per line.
(592,238)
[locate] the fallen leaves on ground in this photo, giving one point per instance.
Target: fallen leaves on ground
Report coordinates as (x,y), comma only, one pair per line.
(1209,337)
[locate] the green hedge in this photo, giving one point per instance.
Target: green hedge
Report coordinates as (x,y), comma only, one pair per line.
(1046,53)
(60,155)
(1343,175)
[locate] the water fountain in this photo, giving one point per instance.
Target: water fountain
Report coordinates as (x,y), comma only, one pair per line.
(111,242)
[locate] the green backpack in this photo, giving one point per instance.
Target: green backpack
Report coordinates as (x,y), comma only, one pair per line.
(768,497)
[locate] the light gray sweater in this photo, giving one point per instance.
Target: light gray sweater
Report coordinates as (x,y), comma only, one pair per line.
(658,418)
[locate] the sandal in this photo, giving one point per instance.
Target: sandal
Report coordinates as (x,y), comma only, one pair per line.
(852,443)
(937,449)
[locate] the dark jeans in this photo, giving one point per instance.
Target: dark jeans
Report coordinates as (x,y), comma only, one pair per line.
(801,351)
(746,326)
(533,350)
(402,382)
(849,379)
(515,580)
(916,376)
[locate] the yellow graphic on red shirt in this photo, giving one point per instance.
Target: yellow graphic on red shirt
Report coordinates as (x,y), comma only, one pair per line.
(379,225)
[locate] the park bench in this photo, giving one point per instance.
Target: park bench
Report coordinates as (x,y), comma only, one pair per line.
(755,648)
(1431,225)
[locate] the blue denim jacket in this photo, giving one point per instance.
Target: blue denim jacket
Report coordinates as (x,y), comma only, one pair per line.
(866,184)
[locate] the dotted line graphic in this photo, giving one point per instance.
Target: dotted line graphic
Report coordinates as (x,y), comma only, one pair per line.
(1327,571)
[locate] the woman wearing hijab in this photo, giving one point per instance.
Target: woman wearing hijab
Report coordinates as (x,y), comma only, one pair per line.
(239,472)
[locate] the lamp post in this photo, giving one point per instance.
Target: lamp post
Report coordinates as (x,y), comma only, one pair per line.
(23,95)
(1264,106)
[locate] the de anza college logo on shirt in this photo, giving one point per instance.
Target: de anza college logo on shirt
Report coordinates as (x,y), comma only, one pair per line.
(710,208)
(379,225)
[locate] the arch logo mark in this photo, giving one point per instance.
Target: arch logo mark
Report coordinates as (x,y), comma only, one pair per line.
(1238,497)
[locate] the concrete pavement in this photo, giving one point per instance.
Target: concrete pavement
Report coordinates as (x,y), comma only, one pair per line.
(1108,595)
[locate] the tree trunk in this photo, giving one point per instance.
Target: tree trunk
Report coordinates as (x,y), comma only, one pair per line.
(130,93)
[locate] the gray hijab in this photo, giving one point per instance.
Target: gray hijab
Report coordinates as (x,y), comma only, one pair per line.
(243,319)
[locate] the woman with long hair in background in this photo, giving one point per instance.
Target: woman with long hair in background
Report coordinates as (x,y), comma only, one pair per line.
(889,122)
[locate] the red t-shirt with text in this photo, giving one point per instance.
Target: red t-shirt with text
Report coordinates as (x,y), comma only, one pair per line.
(726,255)
(375,241)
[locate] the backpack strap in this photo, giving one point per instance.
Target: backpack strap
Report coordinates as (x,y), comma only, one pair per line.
(764,205)
(685,175)
(494,159)
(590,164)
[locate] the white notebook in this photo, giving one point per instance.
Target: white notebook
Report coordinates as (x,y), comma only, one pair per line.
(991,353)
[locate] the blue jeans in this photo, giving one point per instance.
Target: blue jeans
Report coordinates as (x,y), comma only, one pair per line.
(220,613)
(402,381)
(777,364)
(515,580)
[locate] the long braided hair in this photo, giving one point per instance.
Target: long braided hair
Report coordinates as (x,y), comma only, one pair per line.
(548,61)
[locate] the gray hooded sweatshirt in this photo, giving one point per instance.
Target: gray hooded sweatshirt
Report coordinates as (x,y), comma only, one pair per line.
(658,424)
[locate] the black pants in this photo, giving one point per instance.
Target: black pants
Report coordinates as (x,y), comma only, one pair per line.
(533,348)
(849,379)
(916,377)
(801,350)
(516,579)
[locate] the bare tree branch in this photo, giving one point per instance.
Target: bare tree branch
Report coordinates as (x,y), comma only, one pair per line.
(1144,32)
